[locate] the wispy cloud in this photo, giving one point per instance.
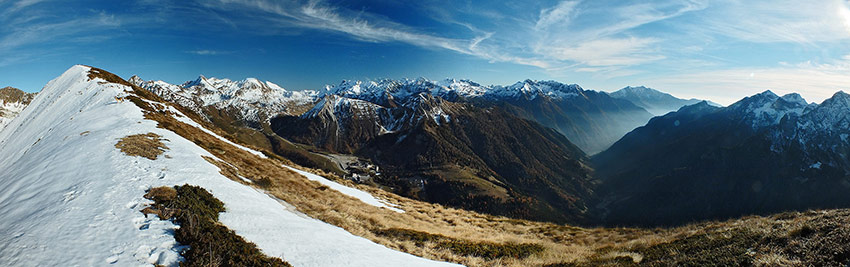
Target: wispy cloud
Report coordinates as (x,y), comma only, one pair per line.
(803,22)
(317,15)
(206,52)
(18,6)
(560,14)
(73,30)
(606,39)
(368,28)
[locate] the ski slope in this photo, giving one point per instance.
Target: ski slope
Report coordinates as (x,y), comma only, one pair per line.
(68,197)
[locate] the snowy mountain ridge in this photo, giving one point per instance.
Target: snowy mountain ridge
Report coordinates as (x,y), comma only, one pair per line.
(252,94)
(69,197)
(382,91)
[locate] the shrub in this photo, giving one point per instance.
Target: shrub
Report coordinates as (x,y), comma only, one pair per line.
(210,243)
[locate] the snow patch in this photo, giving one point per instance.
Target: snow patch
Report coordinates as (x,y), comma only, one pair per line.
(352,192)
(184,119)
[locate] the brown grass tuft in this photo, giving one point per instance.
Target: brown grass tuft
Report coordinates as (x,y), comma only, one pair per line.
(147,145)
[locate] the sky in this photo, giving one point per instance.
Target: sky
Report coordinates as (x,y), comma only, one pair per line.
(719,50)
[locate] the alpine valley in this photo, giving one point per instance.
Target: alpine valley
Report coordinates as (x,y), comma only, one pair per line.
(503,150)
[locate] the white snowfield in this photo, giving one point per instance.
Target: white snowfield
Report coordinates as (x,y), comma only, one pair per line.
(68,197)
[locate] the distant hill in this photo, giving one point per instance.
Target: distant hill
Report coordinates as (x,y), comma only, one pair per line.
(656,102)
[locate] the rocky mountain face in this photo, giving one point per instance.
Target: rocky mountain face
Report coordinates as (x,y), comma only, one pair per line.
(656,102)
(454,153)
(12,102)
(762,154)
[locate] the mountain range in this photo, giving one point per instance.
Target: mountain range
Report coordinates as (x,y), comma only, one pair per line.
(455,142)
(592,120)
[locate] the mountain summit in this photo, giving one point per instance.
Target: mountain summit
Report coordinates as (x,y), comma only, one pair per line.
(656,102)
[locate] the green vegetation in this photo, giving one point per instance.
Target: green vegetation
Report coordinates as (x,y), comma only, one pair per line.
(210,243)
(486,250)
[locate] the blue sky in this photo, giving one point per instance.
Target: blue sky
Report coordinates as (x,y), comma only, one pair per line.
(719,50)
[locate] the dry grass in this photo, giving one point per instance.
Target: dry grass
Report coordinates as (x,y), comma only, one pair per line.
(560,245)
(147,145)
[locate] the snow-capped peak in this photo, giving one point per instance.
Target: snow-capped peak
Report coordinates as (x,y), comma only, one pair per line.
(794,98)
(531,89)
(766,108)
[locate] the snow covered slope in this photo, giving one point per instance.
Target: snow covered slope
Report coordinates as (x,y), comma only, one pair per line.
(68,197)
(12,102)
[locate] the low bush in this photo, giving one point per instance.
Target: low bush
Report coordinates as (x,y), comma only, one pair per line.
(210,243)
